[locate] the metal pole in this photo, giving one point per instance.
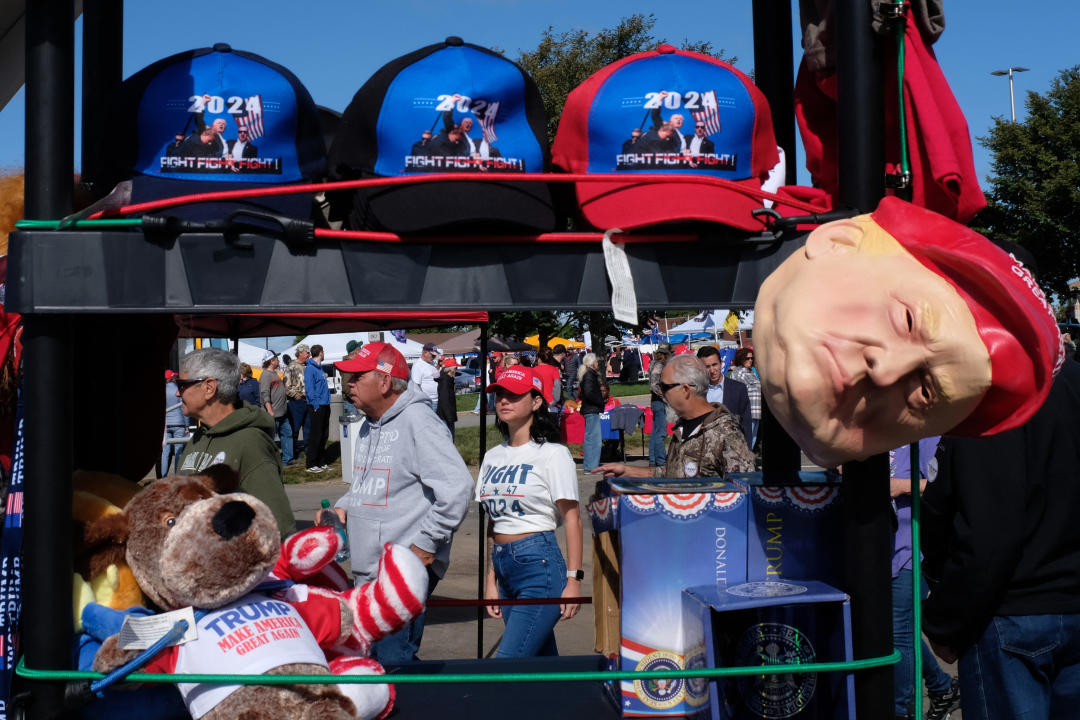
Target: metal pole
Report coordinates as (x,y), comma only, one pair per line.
(482,530)
(1012,99)
(47,555)
(774,74)
(868,528)
(103,50)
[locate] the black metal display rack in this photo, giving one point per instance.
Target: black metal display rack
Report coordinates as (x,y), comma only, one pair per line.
(57,279)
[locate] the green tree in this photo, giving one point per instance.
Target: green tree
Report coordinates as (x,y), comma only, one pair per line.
(1034,194)
(564,60)
(520,325)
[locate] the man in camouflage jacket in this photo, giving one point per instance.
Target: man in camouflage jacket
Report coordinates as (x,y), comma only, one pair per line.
(707,441)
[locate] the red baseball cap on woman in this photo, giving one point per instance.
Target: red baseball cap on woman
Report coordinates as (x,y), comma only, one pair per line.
(518,380)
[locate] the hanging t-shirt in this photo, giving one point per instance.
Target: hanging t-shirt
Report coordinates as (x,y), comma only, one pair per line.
(518,486)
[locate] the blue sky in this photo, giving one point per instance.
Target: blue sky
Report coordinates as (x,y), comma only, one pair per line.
(333,46)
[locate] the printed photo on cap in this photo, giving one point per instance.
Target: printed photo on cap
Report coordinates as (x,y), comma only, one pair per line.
(220,117)
(435,120)
(672,113)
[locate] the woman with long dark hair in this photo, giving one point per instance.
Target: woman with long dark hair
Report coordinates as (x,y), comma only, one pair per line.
(528,486)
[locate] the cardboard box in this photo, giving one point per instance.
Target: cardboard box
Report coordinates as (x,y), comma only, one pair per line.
(763,623)
(672,536)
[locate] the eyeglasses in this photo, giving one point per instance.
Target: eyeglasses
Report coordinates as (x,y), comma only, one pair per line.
(183,385)
(665,387)
(699,127)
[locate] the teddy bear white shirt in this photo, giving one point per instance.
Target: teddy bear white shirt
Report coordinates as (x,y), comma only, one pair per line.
(250,636)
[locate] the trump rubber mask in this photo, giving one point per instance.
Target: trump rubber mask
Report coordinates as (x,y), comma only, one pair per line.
(891,327)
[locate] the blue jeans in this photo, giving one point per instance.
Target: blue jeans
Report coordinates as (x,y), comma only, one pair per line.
(592,441)
(284,431)
(1023,666)
(170,452)
(299,418)
(402,647)
(532,567)
(490,402)
(658,437)
(903,639)
(754,425)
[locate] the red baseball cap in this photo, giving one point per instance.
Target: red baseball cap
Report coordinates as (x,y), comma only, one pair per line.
(169,374)
(616,122)
(518,380)
(1012,314)
(377,356)
(450,362)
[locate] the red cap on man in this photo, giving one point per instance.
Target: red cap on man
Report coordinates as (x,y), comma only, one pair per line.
(377,356)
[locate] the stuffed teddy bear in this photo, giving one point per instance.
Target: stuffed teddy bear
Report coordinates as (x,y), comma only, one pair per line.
(188,545)
(102,573)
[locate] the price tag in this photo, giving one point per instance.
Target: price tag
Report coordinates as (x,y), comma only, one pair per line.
(623,296)
(139,633)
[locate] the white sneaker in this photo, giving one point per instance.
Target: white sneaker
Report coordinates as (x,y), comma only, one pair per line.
(315,469)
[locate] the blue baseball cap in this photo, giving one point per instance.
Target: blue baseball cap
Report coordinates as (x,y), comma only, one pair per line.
(448,107)
(215,119)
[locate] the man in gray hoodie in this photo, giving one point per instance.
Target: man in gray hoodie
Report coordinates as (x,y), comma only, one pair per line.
(410,485)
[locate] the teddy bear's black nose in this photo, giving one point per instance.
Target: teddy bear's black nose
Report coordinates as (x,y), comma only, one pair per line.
(234,518)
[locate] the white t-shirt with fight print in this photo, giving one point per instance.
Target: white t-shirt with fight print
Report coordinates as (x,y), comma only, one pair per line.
(518,486)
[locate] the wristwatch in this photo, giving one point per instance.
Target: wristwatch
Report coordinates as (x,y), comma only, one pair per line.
(575,575)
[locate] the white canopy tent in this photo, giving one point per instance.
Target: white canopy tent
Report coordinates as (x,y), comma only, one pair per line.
(251,354)
(715,319)
(334,345)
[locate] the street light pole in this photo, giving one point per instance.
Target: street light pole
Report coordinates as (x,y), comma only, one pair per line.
(1009,72)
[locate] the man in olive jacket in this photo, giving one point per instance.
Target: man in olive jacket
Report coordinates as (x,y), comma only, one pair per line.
(231,433)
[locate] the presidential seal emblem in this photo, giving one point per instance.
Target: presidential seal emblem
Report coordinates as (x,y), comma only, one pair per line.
(697,689)
(778,695)
(766,589)
(660,693)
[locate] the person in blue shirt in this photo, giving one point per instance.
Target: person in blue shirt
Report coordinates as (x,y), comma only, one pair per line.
(942,690)
(249,387)
(176,427)
(318,400)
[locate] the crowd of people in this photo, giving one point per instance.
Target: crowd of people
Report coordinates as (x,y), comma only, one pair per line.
(410,484)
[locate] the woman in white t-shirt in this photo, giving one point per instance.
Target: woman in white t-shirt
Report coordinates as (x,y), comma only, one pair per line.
(528,486)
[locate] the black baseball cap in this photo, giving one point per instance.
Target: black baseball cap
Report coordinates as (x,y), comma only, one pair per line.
(214,119)
(448,107)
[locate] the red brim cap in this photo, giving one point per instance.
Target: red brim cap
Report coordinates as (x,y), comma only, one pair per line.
(630,205)
(1012,314)
(600,117)
(517,380)
(377,356)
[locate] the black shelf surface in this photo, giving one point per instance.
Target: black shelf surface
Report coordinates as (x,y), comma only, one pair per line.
(127,272)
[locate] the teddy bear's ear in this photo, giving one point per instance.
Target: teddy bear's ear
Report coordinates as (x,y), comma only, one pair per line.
(112,528)
(222,479)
